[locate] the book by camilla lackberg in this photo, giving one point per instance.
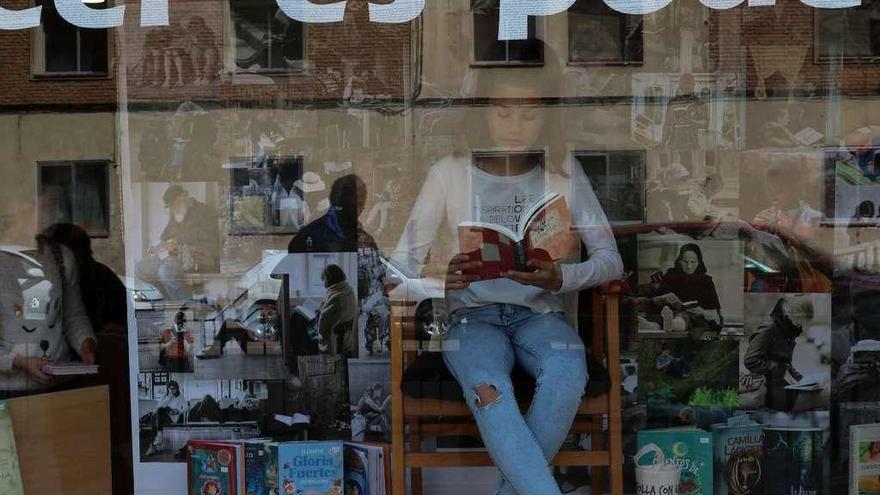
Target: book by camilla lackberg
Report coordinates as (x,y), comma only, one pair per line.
(310,467)
(543,233)
(864,461)
(738,456)
(691,450)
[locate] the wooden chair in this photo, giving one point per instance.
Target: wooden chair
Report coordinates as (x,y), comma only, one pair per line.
(414,419)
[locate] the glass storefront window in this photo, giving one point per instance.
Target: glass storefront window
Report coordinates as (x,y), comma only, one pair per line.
(466,246)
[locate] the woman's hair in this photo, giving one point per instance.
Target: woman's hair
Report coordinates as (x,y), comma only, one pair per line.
(333,274)
(701,267)
(73,236)
(172,383)
(865,209)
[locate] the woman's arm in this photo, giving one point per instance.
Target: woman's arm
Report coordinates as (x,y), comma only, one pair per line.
(603,262)
(756,359)
(76,325)
(425,218)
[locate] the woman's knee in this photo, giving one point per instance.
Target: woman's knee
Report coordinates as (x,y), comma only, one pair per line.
(564,373)
(486,393)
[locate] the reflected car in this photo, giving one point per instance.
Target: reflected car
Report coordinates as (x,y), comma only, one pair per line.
(144,296)
(426,295)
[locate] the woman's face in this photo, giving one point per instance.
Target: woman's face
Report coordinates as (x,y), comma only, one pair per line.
(514,128)
(689,262)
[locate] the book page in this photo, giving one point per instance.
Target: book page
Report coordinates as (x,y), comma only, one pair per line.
(549,235)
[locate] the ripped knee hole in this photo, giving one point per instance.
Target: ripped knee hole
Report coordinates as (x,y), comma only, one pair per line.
(486,394)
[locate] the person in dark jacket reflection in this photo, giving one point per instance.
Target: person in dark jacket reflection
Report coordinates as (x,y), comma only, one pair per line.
(338,230)
(105,300)
(771,349)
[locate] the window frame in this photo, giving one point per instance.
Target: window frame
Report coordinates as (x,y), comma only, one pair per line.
(37,57)
(608,63)
(229,66)
(107,165)
(640,186)
(818,45)
(540,29)
(237,163)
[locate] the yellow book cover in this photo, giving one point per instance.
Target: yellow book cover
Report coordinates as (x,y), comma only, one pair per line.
(10,474)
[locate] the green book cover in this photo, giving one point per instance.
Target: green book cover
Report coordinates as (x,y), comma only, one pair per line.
(690,449)
(10,474)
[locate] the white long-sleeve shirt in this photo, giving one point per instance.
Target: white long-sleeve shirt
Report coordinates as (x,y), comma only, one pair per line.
(456,191)
(31,314)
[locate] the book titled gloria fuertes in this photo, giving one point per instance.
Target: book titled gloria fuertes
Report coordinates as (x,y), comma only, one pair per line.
(543,233)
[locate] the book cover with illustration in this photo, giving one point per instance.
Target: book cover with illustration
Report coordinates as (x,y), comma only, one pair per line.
(544,233)
(10,472)
(849,415)
(793,460)
(358,477)
(691,450)
(310,468)
(214,468)
(255,467)
(738,446)
(864,478)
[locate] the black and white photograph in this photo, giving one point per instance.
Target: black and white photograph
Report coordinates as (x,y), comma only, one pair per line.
(689,288)
(174,408)
(785,354)
(242,337)
(856,347)
(323,292)
(267,194)
(166,340)
(369,383)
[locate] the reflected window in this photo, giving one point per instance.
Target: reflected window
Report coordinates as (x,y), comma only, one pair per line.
(849,34)
(60,48)
(599,34)
(75,192)
(617,178)
(265,38)
(268,195)
(489,50)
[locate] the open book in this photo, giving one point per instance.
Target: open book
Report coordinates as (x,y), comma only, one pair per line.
(543,233)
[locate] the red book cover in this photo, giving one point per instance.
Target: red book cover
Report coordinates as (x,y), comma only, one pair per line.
(213,467)
(545,233)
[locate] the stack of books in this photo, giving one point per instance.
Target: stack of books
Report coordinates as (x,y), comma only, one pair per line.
(263,467)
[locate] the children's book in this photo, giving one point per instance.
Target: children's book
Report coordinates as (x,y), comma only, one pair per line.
(310,468)
(543,233)
(214,467)
(691,450)
(10,472)
(738,445)
(864,478)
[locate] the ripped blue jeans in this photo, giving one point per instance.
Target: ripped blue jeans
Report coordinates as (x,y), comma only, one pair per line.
(481,348)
